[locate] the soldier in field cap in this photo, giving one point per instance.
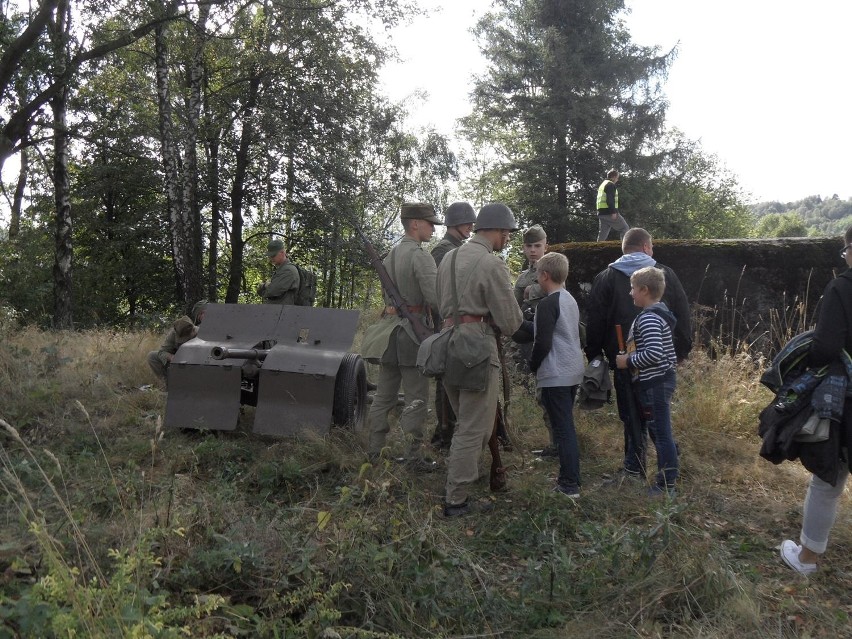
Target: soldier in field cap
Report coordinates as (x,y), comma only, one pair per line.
(528,293)
(392,342)
(419,211)
(183,330)
(527,290)
(284,285)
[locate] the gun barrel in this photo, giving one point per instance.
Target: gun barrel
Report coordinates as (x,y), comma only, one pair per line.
(221,352)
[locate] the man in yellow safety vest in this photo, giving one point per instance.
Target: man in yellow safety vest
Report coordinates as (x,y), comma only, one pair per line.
(607,204)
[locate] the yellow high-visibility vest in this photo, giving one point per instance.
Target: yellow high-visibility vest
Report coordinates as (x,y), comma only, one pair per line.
(602,195)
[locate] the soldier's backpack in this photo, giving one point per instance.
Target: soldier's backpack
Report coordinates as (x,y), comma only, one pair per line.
(307,291)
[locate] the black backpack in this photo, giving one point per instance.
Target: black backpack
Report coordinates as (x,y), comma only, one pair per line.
(306,294)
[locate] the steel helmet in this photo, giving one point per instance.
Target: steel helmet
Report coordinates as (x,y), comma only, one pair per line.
(459,213)
(495,216)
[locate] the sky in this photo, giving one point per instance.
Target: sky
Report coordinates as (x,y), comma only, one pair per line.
(764,85)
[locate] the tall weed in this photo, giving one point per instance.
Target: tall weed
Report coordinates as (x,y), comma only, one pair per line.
(124,529)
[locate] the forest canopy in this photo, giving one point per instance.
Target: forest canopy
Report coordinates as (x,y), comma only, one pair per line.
(160,145)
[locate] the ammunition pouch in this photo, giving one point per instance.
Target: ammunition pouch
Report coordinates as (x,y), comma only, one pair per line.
(469,357)
(432,354)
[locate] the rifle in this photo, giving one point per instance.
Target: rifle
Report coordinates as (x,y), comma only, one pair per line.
(498,479)
(420,329)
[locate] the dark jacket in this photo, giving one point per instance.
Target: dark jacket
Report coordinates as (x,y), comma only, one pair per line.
(833,334)
(834,325)
(610,304)
(447,244)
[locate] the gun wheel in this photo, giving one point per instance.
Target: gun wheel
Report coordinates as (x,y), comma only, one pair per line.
(350,393)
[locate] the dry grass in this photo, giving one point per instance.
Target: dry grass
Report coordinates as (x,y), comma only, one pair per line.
(256,519)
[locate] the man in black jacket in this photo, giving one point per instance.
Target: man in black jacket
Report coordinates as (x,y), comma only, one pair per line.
(610,305)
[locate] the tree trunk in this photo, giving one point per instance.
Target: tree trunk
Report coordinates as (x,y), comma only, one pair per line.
(561,171)
(187,269)
(195,74)
(238,193)
(215,218)
(62,282)
(213,133)
(18,200)
(330,251)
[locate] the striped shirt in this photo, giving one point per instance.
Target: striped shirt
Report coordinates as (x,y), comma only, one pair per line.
(653,353)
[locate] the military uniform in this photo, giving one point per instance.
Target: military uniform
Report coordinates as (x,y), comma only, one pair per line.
(283,286)
(528,294)
(484,290)
(528,298)
(183,330)
(446,418)
(447,244)
(395,345)
(527,291)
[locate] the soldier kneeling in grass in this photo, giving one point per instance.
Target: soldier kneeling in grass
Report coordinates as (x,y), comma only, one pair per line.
(183,330)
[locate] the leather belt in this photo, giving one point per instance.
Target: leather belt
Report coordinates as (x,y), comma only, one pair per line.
(465,319)
(391,310)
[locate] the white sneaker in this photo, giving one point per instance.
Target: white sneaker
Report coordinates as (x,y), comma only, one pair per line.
(790,554)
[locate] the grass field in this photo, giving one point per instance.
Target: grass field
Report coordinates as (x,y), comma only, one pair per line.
(113,527)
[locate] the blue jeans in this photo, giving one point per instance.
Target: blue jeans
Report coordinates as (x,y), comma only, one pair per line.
(656,415)
(558,401)
(635,430)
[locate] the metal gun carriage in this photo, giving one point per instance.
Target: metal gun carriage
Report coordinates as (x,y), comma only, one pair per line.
(291,362)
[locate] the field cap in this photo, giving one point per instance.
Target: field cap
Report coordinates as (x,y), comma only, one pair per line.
(274,247)
(419,211)
(534,234)
(184,327)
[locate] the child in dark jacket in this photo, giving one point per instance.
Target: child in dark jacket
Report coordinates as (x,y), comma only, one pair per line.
(557,361)
(651,355)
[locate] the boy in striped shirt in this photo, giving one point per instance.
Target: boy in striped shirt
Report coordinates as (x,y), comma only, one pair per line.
(651,355)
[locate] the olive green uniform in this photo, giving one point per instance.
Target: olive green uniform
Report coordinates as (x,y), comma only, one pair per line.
(447,244)
(529,278)
(446,424)
(413,271)
(484,288)
(159,360)
(535,294)
(283,286)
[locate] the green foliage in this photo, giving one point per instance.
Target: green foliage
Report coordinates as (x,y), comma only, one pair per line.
(291,137)
(690,194)
(781,225)
(811,216)
(567,95)
(26,288)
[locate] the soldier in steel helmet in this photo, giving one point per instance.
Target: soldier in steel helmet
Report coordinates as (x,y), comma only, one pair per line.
(475,295)
(395,345)
(458,219)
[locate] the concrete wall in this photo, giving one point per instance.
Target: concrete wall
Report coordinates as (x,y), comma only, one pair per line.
(757,291)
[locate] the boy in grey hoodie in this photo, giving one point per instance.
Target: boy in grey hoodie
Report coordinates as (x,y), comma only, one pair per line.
(557,361)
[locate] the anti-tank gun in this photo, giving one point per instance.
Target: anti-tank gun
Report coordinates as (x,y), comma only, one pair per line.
(253,354)
(291,362)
